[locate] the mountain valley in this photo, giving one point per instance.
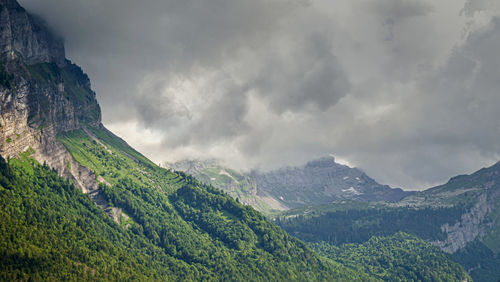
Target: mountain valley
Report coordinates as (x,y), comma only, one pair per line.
(79,203)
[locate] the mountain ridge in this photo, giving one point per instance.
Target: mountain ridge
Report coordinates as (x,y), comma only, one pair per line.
(461,217)
(319,181)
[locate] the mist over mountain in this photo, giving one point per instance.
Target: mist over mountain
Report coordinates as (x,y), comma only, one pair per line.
(265,84)
(321,181)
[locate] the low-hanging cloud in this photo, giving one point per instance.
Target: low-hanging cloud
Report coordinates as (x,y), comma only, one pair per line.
(405,89)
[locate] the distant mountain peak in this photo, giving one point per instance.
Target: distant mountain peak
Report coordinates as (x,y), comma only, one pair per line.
(327,161)
(320,181)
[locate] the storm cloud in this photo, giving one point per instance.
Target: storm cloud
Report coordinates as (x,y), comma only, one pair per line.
(407,90)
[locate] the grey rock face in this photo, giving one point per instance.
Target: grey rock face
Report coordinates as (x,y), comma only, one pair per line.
(41,94)
(480,191)
(34,111)
(471,226)
(22,35)
(192,166)
(321,182)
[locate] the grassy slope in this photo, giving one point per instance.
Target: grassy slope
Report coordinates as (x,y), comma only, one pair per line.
(197,224)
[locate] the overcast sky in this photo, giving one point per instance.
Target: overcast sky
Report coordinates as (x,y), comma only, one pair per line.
(407,90)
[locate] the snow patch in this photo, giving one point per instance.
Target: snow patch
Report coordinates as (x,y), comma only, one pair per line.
(351,190)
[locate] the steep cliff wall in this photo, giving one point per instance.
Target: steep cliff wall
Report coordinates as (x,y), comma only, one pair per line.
(323,181)
(24,35)
(41,94)
(472,225)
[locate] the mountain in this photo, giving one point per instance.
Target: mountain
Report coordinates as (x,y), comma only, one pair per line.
(461,217)
(78,203)
(52,231)
(119,216)
(321,181)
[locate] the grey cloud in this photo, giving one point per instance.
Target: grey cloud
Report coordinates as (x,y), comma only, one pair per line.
(293,67)
(120,41)
(310,75)
(447,124)
(472,6)
(391,85)
(155,107)
(406,28)
(398,10)
(394,12)
(223,119)
(189,118)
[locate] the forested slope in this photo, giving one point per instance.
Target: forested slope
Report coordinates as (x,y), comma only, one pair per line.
(400,257)
(462,217)
(169,226)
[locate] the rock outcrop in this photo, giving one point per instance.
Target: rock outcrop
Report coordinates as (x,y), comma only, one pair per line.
(480,194)
(41,94)
(323,181)
(22,35)
(471,226)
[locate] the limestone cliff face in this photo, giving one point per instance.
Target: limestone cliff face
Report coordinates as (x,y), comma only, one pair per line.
(480,194)
(25,36)
(323,181)
(41,94)
(472,225)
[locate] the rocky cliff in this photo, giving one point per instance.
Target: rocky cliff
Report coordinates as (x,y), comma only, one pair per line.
(323,181)
(480,194)
(24,35)
(41,94)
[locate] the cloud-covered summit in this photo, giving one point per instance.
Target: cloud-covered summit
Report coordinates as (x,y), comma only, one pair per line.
(405,89)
